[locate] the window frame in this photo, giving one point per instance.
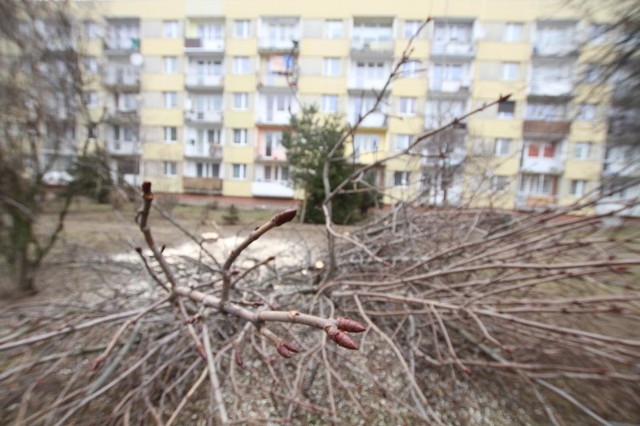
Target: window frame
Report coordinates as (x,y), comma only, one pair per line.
(170,29)
(240,136)
(332,66)
(170,168)
(170,99)
(242,171)
(330,100)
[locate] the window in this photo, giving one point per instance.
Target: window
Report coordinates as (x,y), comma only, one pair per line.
(331,67)
(400,178)
(582,150)
(170,133)
(128,134)
(207,170)
(91,64)
(598,33)
(366,142)
(329,103)
(92,131)
(502,147)
(91,29)
(510,71)
(240,136)
(214,136)
(241,28)
(410,69)
(170,64)
(541,149)
(210,31)
(239,171)
(402,142)
(170,29)
(407,105)
(333,28)
(506,109)
(586,112)
(91,99)
(241,65)
(538,184)
(170,168)
(446,77)
(170,99)
(411,28)
(544,111)
(241,101)
(513,32)
(499,183)
(578,187)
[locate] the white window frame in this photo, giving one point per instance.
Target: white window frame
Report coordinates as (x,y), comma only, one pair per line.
(170,29)
(404,178)
(502,147)
(587,112)
(241,28)
(513,32)
(582,150)
(403,140)
(92,99)
(241,65)
(505,114)
(333,28)
(240,136)
(241,101)
(170,99)
(577,187)
(510,71)
(238,171)
(407,105)
(410,28)
(330,103)
(170,134)
(410,69)
(332,67)
(170,168)
(170,64)
(366,142)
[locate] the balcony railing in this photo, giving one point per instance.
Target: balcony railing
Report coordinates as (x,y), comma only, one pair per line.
(203,80)
(376,119)
(202,185)
(449,86)
(543,128)
(268,79)
(554,165)
(119,147)
(200,45)
(550,87)
(126,78)
(556,49)
(266,44)
(356,83)
(122,116)
(453,48)
(275,189)
(203,151)
(274,117)
(203,116)
(375,47)
(122,45)
(535,201)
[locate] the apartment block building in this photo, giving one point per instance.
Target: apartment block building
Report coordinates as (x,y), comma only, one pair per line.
(197,94)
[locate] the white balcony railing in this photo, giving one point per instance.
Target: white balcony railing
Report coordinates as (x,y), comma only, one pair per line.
(122,43)
(277,189)
(194,45)
(449,86)
(119,147)
(275,117)
(275,44)
(376,119)
(458,48)
(204,116)
(375,46)
(553,165)
(550,87)
(205,150)
(555,49)
(122,76)
(366,83)
(203,80)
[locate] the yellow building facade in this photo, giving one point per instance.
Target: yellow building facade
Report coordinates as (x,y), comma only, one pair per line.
(198,93)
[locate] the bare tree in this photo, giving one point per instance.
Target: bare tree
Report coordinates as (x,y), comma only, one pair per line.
(41,108)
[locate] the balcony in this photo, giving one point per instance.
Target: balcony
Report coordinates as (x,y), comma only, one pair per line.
(121,46)
(122,78)
(203,81)
(555,49)
(203,151)
(266,45)
(450,86)
(124,148)
(546,129)
(553,165)
(275,117)
(550,87)
(453,48)
(376,84)
(122,116)
(278,157)
(204,117)
(535,201)
(374,120)
(272,189)
(366,48)
(202,185)
(268,80)
(200,45)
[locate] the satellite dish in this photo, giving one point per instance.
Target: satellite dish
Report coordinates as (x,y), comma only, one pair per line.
(136,59)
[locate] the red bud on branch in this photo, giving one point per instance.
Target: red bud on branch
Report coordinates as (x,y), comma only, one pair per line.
(284,217)
(346,324)
(239,360)
(342,339)
(283,351)
(291,347)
